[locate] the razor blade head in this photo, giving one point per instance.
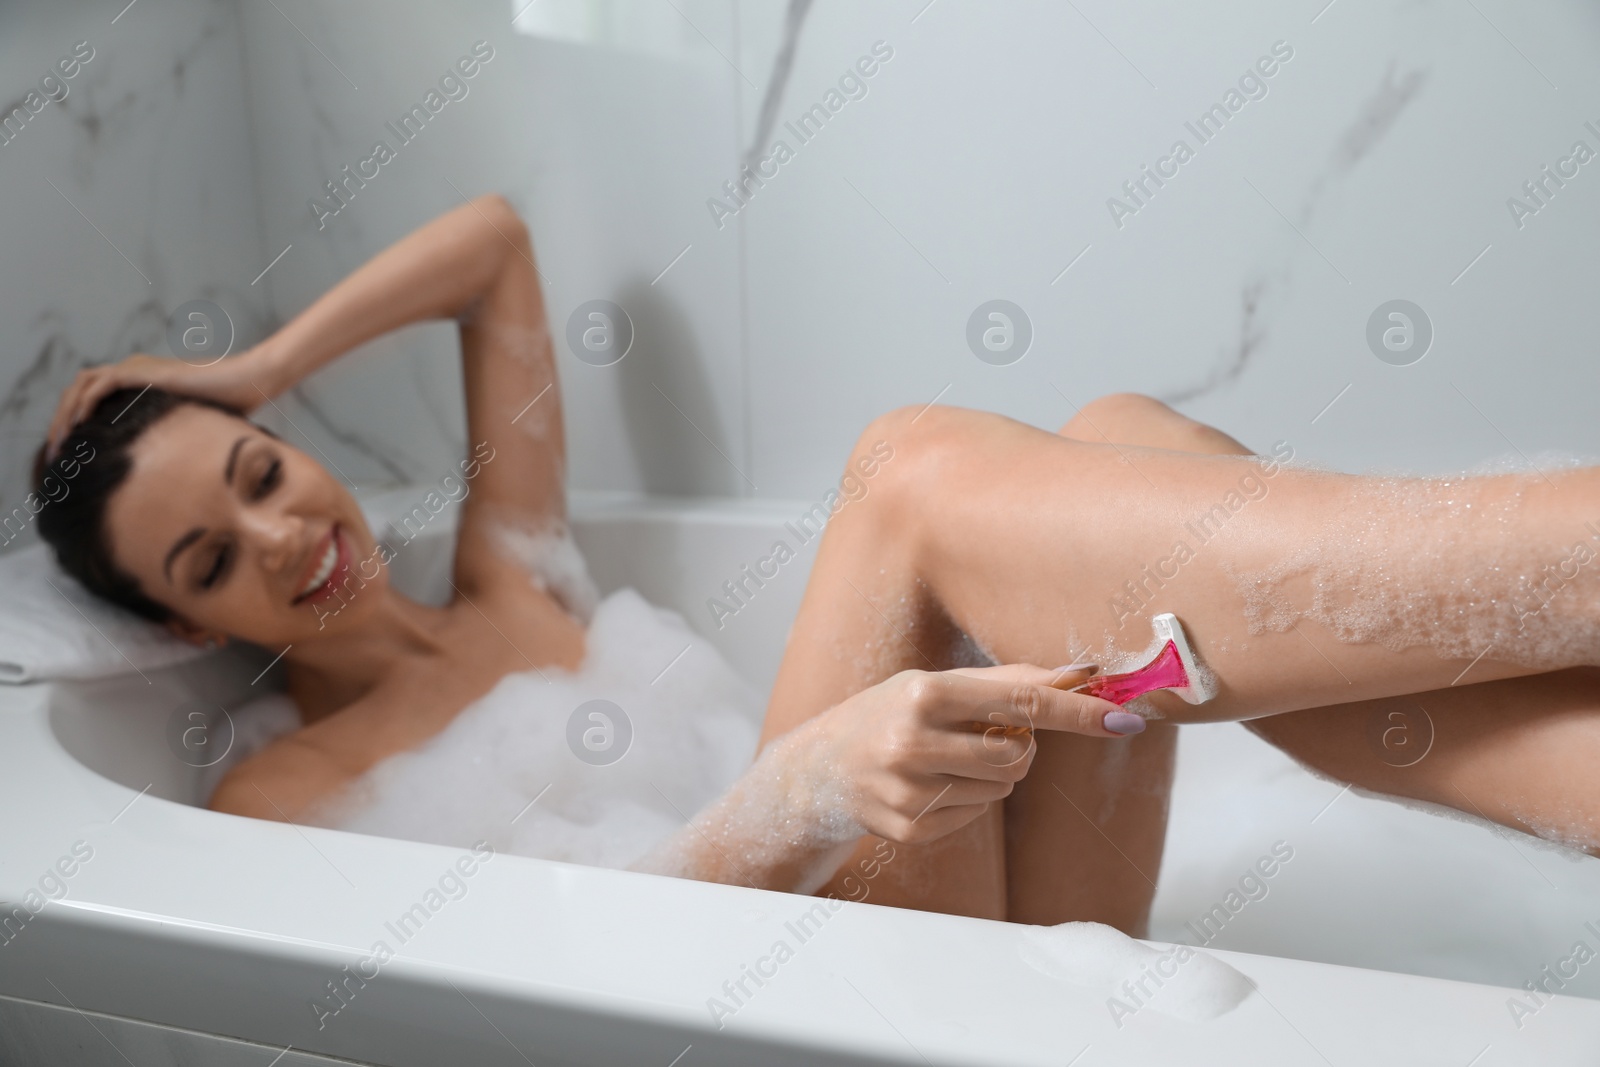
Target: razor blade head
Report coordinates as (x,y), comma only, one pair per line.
(1201,687)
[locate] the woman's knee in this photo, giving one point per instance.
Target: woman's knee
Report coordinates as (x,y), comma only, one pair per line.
(1135,419)
(899,443)
(1116,415)
(885,464)
(921,422)
(906,462)
(923,450)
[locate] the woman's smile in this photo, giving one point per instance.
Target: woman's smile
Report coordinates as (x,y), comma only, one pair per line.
(329,560)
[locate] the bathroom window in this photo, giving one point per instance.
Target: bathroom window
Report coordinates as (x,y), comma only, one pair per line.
(661,29)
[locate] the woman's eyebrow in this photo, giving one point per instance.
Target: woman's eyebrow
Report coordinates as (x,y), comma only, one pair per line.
(183,542)
(233,459)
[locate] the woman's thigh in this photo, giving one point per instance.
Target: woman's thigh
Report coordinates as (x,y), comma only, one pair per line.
(1085,830)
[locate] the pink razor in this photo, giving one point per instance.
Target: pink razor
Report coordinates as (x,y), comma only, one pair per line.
(1174,668)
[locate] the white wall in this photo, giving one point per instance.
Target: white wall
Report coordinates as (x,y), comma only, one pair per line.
(150,148)
(978,166)
(605,150)
(200,132)
(987,148)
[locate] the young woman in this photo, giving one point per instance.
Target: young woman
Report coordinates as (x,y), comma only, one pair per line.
(983,541)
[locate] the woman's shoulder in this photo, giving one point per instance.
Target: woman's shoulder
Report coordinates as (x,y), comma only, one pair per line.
(285,779)
(289,775)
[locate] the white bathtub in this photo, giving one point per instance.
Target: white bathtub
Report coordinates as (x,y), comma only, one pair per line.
(194,937)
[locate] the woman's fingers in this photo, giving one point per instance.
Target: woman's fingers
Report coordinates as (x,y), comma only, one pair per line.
(78,400)
(932,823)
(1027,674)
(1111,717)
(1020,697)
(954,791)
(942,821)
(990,751)
(927,752)
(236,382)
(917,795)
(93,384)
(94,391)
(65,415)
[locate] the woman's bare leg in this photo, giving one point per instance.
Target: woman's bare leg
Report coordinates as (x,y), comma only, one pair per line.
(857,643)
(1044,549)
(1520,752)
(1018,538)
(1079,839)
(1092,808)
(981,525)
(1085,830)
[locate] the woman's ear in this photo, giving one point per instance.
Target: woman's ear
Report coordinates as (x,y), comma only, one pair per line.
(200,637)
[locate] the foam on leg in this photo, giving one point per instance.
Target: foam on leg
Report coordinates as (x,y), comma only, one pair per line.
(1393,573)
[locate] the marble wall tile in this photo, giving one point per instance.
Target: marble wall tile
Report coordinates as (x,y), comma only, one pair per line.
(977,165)
(131,195)
(607,151)
(1376,166)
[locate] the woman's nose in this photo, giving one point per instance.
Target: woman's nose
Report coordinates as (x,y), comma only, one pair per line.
(278,537)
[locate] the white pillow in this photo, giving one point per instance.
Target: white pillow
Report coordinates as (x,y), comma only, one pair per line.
(51,627)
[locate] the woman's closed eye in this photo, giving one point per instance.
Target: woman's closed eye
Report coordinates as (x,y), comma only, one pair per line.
(217,569)
(220,560)
(269,479)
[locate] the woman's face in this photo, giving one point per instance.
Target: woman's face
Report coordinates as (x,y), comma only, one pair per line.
(239,533)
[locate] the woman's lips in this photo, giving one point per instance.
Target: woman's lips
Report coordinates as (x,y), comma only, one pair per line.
(341,568)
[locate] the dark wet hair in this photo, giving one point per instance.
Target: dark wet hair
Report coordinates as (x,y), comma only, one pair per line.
(91,464)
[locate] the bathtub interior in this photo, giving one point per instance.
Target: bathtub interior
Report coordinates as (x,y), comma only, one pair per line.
(1370,884)
(676,553)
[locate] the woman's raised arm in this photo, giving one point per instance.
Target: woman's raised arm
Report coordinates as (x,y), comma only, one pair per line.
(474,264)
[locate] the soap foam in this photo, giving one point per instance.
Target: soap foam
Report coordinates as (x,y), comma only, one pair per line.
(552,560)
(793,796)
(694,729)
(1180,981)
(1442,563)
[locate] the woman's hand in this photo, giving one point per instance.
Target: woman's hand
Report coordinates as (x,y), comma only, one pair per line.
(921,754)
(243,382)
(911,759)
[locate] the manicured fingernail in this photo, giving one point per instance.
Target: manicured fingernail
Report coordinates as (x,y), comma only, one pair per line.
(1078,667)
(1124,722)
